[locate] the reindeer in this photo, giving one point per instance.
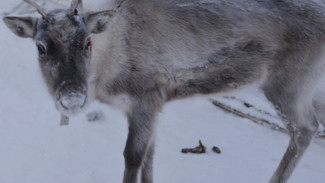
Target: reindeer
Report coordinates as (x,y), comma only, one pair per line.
(144,53)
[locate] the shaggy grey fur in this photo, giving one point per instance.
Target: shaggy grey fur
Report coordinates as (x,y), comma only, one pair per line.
(150,52)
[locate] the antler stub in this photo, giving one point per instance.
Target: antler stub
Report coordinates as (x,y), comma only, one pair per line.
(38,8)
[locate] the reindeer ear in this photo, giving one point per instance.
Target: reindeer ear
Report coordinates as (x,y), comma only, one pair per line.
(22,26)
(97,22)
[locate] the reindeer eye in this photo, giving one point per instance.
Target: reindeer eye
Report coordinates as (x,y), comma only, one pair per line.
(89,45)
(41,49)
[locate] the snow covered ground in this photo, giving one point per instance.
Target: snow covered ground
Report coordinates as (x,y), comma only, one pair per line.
(35,149)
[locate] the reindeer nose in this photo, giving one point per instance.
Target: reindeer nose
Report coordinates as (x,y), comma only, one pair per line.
(72,99)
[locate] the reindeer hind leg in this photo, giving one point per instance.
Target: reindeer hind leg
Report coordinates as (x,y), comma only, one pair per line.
(302,125)
(291,91)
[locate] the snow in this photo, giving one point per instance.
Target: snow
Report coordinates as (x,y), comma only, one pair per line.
(34,148)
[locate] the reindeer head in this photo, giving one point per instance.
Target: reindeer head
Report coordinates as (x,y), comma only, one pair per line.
(63,40)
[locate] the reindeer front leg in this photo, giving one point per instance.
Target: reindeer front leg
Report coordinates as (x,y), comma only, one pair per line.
(139,143)
(147,169)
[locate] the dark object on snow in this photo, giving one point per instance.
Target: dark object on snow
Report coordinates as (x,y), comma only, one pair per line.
(216,149)
(95,116)
(248,105)
(197,150)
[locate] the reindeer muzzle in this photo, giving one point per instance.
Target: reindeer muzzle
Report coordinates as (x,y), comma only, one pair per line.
(71,99)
